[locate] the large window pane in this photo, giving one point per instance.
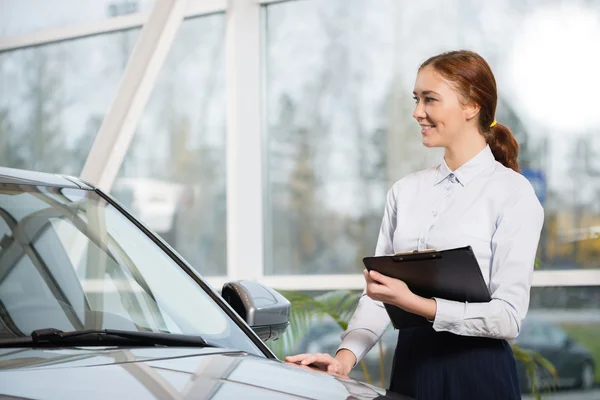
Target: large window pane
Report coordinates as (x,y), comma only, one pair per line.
(18,17)
(173,176)
(53,99)
(328,82)
(340,76)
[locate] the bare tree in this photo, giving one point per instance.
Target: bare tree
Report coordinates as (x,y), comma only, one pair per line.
(10,154)
(42,134)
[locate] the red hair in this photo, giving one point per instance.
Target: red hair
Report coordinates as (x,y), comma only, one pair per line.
(472,77)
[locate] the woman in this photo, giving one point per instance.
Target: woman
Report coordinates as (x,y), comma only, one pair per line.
(475,197)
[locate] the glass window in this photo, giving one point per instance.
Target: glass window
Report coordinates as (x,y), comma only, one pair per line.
(53,99)
(556,337)
(173,176)
(19,17)
(328,84)
(343,133)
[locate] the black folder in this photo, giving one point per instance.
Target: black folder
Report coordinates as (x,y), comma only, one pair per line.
(452,274)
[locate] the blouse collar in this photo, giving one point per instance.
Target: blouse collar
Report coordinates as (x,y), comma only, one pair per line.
(467,171)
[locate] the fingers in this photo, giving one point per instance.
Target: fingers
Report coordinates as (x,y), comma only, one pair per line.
(303,359)
(372,285)
(334,369)
(321,359)
(324,362)
(306,359)
(372,291)
(376,276)
(309,359)
(296,358)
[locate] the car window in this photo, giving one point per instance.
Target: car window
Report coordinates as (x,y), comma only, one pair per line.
(152,260)
(30,302)
(72,261)
(533,334)
(555,336)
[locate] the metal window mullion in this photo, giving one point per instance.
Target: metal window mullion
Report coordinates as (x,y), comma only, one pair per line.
(109,25)
(244,156)
(578,277)
(267,2)
(198,8)
(73,32)
(117,129)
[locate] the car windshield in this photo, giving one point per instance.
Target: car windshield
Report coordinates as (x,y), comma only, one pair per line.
(69,260)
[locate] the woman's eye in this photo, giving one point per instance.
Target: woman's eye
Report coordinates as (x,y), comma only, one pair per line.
(415,98)
(429,99)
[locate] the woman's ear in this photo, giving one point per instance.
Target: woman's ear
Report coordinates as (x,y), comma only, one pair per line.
(471,110)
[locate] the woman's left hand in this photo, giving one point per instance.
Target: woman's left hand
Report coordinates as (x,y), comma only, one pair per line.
(388,290)
(396,292)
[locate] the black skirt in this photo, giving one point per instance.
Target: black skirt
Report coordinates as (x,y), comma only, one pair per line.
(441,365)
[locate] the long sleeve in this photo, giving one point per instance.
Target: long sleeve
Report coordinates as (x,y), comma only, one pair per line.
(514,246)
(370,319)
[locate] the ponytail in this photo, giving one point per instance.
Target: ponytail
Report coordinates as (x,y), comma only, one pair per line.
(504,146)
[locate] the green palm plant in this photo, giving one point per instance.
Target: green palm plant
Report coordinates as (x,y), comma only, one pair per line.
(339,305)
(535,365)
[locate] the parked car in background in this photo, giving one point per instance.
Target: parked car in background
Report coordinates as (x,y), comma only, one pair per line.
(573,362)
(95,305)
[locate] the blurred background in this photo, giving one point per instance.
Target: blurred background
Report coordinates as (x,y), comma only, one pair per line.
(260,137)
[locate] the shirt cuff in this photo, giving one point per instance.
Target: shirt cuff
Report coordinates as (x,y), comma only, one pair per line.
(448,314)
(359,342)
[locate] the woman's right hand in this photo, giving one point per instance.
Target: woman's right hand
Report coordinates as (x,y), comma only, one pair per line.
(341,364)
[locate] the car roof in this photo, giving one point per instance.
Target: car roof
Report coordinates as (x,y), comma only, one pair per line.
(25,177)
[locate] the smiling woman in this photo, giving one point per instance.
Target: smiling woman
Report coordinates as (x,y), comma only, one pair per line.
(475,197)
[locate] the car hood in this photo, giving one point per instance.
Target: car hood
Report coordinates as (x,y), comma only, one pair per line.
(167,373)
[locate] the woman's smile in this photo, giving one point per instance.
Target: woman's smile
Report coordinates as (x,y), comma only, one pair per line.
(426,128)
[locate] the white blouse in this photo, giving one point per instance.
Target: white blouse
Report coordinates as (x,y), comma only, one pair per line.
(482,204)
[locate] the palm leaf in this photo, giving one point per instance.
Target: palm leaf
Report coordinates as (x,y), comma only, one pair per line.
(535,365)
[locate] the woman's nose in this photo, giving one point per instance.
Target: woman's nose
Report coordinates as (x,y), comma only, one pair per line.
(419,112)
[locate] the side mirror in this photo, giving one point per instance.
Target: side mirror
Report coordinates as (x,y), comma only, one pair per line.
(266,311)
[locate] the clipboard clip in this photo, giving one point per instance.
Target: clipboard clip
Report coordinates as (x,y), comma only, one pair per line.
(426,254)
(415,251)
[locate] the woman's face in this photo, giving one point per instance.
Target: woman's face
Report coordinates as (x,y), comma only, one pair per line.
(439,110)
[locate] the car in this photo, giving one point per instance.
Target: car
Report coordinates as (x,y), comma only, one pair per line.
(95,305)
(573,362)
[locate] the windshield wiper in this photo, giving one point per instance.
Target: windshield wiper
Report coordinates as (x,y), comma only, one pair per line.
(104,337)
